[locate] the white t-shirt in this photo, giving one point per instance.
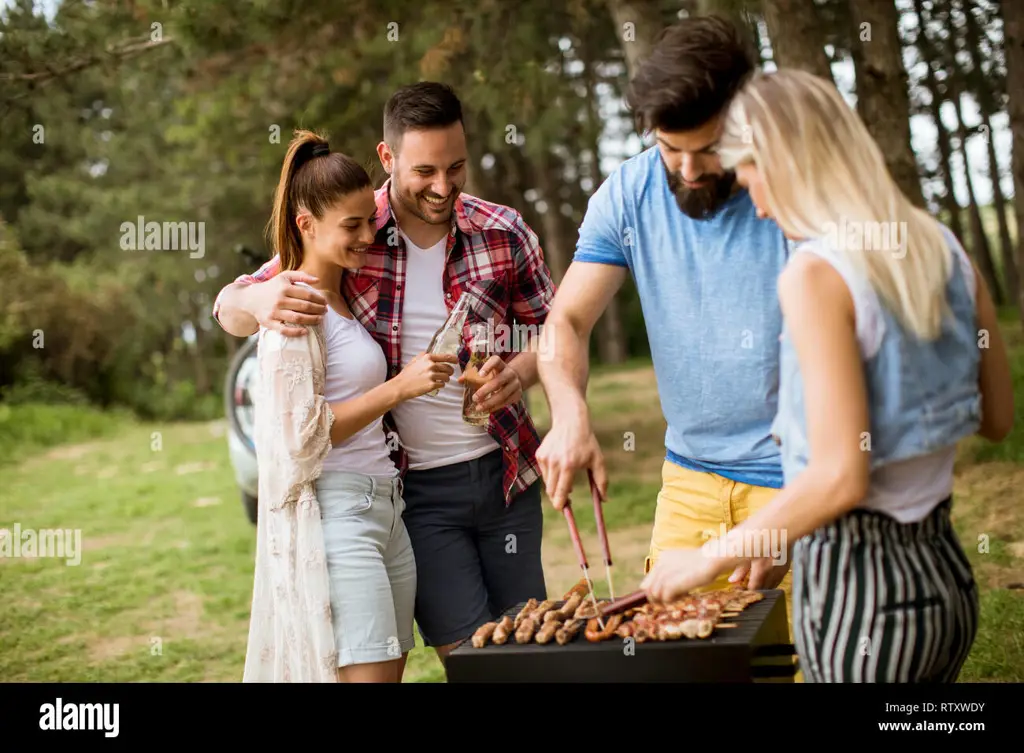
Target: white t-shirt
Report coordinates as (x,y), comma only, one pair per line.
(431,427)
(908,489)
(355,365)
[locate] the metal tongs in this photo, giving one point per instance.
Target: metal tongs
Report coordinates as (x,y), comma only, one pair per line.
(577,543)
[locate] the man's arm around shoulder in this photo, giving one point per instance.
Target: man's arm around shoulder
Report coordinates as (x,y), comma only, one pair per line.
(269,299)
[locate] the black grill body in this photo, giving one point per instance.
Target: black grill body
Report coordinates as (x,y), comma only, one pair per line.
(756,650)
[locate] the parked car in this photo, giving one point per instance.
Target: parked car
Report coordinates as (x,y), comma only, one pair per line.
(238,397)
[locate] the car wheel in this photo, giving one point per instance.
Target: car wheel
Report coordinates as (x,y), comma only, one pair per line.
(250,505)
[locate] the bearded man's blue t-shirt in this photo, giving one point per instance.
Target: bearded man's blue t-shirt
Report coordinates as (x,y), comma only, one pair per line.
(710,304)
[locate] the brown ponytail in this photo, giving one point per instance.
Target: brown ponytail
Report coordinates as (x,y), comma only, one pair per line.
(312,179)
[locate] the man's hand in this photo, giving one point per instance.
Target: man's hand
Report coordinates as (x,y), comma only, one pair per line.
(502,388)
(763,572)
(568,447)
(279,303)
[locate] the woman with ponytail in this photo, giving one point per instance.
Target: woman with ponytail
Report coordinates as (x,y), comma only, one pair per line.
(335,576)
(890,356)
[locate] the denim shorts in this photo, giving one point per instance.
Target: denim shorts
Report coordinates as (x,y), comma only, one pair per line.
(371,566)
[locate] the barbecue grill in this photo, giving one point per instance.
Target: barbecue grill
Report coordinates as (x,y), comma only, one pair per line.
(756,650)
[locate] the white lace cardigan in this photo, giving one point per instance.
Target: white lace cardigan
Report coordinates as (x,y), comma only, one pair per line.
(291,638)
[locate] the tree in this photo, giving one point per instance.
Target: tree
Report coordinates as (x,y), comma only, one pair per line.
(882,99)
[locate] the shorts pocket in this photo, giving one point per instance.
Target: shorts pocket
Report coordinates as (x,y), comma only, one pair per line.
(342,505)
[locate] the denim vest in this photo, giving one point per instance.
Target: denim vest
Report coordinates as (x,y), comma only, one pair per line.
(922,396)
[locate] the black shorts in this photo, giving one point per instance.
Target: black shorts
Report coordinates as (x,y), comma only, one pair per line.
(475,557)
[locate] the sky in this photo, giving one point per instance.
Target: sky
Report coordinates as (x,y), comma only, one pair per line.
(619,142)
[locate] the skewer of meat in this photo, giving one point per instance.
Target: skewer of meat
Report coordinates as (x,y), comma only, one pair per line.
(502,631)
(525,612)
(594,633)
(483,634)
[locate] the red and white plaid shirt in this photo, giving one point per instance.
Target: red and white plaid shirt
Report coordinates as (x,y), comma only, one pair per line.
(492,254)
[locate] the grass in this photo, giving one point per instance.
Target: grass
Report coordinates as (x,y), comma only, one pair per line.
(162,592)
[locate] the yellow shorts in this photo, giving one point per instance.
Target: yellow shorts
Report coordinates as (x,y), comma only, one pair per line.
(694,507)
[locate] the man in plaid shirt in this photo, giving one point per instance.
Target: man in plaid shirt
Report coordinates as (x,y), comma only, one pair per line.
(473,507)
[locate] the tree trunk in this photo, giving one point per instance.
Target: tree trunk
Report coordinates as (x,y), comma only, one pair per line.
(987,106)
(794,30)
(979,241)
(611,345)
(882,99)
(929,55)
(1013,34)
(637,25)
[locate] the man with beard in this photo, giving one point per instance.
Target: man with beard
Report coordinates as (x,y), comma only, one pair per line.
(472,497)
(705,267)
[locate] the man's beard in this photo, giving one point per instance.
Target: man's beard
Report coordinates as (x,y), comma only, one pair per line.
(411,202)
(700,203)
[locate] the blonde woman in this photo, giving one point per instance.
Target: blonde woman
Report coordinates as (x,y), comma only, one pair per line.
(890,355)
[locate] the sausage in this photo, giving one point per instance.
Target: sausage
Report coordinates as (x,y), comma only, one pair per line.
(594,633)
(537,615)
(548,630)
(483,633)
(580,588)
(524,633)
(568,609)
(502,631)
(568,631)
(525,612)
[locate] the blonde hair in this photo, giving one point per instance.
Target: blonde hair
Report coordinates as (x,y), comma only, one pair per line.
(824,176)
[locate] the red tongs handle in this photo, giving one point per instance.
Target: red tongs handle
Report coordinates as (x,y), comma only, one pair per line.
(602,532)
(574,532)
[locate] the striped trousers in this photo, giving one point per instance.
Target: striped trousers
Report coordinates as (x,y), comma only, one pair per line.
(875,600)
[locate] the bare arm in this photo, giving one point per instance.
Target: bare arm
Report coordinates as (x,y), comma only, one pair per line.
(424,374)
(354,415)
(994,378)
(277,304)
(563,364)
(563,367)
(234,316)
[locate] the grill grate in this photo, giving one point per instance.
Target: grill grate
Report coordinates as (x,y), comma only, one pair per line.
(756,649)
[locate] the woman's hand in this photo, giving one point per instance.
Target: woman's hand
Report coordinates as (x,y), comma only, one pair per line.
(425,373)
(678,571)
(764,573)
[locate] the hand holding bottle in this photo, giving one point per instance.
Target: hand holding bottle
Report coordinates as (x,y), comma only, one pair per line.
(427,372)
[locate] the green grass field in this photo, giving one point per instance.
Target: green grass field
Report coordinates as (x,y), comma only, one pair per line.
(163,587)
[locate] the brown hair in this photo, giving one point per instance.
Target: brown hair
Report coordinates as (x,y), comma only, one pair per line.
(313,179)
(423,105)
(695,69)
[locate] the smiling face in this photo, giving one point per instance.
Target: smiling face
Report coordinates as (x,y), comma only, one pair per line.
(428,171)
(342,236)
(693,170)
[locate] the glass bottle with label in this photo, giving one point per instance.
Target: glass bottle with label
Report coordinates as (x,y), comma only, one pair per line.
(448,339)
(479,353)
